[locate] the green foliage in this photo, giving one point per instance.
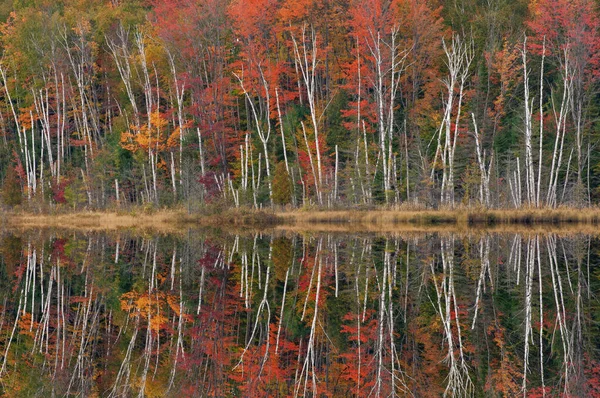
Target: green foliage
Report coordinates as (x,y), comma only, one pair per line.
(282,256)
(336,132)
(377,187)
(282,185)
(509,137)
(10,256)
(75,193)
(11,188)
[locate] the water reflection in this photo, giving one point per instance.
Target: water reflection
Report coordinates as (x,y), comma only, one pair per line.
(291,315)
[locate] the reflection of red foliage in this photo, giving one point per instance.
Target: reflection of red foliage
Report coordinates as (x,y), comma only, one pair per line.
(363,381)
(215,337)
(592,373)
(539,392)
(209,260)
(58,250)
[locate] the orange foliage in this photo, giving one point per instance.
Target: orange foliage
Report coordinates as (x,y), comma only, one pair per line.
(152,136)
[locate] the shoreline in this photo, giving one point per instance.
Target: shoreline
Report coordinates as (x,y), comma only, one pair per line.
(380,220)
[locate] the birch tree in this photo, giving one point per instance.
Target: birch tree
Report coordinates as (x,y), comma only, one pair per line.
(459,55)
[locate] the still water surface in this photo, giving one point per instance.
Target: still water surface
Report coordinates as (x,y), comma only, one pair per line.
(281,314)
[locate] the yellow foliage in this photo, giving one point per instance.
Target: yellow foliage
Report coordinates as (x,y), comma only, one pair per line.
(173,140)
(153,307)
(152,135)
(25,324)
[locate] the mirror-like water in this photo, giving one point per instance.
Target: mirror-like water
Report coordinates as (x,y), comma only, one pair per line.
(289,315)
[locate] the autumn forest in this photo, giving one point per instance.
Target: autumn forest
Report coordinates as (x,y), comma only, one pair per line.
(299,198)
(255,103)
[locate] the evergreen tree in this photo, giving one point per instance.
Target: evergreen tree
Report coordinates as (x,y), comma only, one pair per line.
(282,185)
(11,188)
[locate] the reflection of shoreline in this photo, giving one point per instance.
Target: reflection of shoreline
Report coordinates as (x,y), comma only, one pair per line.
(464,220)
(563,220)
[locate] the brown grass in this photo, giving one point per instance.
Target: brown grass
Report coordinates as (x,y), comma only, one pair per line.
(161,222)
(461,220)
(525,220)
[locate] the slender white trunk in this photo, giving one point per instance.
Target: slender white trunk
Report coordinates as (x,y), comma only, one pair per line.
(459,57)
(529,175)
(287,167)
(539,181)
(306,59)
(263,125)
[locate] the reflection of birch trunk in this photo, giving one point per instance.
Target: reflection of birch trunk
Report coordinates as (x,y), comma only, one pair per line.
(146,356)
(557,289)
(60,315)
(529,267)
(312,275)
(179,344)
(43,329)
(577,334)
(381,322)
(366,249)
(264,303)
(386,304)
(12,335)
(541,342)
(121,384)
(309,359)
(335,266)
(287,272)
(484,255)
(459,381)
(358,322)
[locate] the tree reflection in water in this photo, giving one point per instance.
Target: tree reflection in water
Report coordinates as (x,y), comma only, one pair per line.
(202,314)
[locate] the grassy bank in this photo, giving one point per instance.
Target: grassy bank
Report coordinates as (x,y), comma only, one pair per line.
(162,221)
(169,221)
(458,216)
(523,220)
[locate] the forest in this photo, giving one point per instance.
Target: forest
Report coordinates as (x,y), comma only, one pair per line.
(325,103)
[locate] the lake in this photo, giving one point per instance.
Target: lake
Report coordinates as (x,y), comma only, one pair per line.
(281,313)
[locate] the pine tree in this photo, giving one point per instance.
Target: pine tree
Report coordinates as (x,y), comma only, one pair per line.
(11,188)
(282,185)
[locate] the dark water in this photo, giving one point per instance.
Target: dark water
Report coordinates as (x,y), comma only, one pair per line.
(201,314)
